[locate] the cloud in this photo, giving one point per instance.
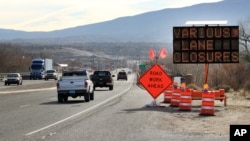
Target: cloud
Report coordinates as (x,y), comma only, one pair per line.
(46,15)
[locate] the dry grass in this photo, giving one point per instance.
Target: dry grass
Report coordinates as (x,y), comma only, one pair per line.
(193,86)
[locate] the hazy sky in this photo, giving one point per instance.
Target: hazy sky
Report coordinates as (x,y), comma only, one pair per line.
(47,15)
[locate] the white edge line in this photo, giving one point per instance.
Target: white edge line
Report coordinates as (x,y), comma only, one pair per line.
(22,106)
(21,91)
(77,114)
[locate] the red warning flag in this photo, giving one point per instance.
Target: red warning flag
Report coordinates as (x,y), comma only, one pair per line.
(163,53)
(151,53)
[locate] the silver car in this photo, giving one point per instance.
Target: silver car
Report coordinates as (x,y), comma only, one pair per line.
(14,78)
(51,74)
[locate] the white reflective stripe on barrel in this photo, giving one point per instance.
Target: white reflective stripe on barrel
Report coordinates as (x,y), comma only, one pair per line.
(176,94)
(207,107)
(186,97)
(207,99)
(175,100)
(185,104)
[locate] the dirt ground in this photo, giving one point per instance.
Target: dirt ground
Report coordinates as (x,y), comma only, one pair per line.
(237,112)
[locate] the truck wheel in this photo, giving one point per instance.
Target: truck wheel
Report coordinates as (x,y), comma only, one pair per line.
(110,87)
(87,97)
(92,95)
(60,98)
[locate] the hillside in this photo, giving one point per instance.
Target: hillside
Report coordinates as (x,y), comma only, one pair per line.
(155,26)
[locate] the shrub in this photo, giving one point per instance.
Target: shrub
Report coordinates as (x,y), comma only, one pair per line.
(193,86)
(225,87)
(247,86)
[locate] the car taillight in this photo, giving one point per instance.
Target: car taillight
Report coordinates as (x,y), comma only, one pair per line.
(86,84)
(110,79)
(57,85)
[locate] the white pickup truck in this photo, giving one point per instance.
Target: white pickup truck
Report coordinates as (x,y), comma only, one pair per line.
(74,84)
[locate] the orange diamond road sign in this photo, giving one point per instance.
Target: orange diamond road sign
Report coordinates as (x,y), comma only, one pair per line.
(155,80)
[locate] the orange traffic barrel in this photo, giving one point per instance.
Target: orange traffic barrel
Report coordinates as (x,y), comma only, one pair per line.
(168,94)
(185,100)
(207,104)
(175,100)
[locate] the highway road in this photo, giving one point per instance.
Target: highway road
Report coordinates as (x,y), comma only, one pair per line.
(113,115)
(24,114)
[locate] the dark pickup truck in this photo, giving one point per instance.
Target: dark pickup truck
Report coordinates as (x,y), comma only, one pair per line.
(102,79)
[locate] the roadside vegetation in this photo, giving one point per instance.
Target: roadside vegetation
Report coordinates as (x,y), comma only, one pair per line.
(13,59)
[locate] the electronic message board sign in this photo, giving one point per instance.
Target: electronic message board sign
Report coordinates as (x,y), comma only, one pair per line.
(206,44)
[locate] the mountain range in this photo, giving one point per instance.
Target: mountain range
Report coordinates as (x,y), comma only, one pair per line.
(154,26)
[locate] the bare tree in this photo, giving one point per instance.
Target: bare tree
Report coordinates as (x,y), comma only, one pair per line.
(216,76)
(13,59)
(245,39)
(235,75)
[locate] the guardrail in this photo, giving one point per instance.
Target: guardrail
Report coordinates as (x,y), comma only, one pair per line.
(25,76)
(4,75)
